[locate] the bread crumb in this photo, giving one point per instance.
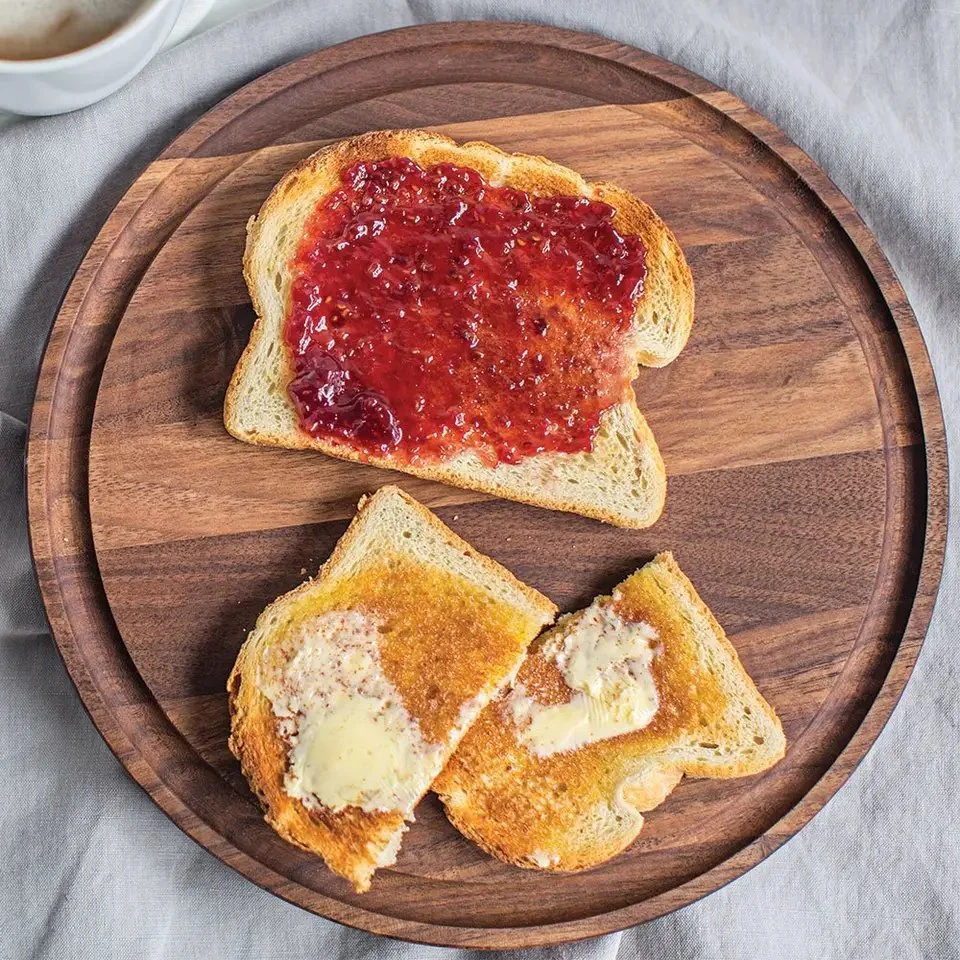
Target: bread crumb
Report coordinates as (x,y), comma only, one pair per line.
(303,571)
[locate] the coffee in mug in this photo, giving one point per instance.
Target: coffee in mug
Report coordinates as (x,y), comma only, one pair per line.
(37,29)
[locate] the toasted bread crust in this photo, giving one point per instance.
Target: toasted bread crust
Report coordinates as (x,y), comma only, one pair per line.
(352,841)
(662,321)
(573,810)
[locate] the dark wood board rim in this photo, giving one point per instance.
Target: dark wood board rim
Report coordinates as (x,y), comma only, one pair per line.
(64,557)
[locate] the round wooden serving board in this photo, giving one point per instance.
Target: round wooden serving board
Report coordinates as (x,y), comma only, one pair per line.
(801,431)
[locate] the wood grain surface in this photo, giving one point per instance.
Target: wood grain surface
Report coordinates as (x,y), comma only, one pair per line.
(801,430)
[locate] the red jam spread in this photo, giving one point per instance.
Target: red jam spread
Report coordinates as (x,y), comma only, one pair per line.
(432,312)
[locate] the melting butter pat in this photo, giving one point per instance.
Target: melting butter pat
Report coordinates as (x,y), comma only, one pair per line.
(607,662)
(544,860)
(352,742)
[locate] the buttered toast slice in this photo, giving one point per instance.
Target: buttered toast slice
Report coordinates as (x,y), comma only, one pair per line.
(377,340)
(352,690)
(612,707)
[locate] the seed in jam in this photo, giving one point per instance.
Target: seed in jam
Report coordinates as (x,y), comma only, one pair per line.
(433,313)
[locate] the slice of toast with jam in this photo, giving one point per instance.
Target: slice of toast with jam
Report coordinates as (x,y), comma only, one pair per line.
(465,315)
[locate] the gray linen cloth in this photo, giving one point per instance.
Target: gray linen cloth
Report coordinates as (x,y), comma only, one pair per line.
(90,868)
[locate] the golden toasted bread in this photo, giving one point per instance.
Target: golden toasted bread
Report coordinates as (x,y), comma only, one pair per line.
(353,689)
(621,479)
(555,774)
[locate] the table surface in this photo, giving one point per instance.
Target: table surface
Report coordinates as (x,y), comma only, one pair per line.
(872,92)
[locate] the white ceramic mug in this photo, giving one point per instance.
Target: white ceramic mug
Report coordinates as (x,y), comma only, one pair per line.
(59,84)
